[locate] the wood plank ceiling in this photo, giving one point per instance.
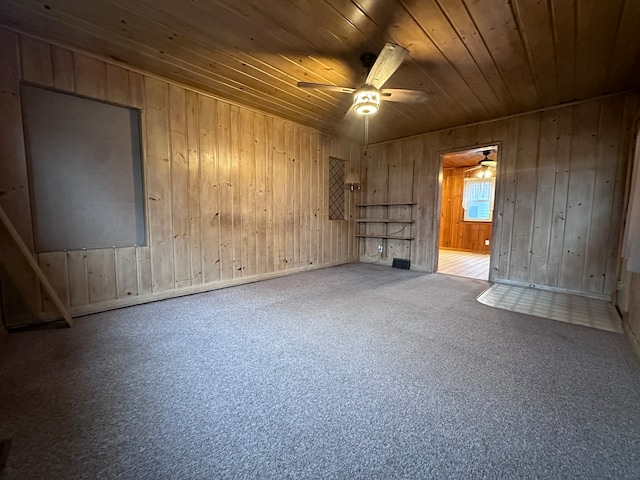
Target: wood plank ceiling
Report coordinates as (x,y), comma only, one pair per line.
(478,59)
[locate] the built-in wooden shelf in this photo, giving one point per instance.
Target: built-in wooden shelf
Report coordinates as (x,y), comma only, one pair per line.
(382,220)
(392,237)
(393,204)
(386,220)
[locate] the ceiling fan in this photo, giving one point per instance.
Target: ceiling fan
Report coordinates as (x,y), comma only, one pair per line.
(367,97)
(486,165)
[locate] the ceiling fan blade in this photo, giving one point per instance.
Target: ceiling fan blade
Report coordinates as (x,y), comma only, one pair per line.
(473,168)
(390,58)
(326,86)
(402,95)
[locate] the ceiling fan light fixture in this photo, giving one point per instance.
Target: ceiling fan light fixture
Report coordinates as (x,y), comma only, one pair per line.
(485,172)
(366,101)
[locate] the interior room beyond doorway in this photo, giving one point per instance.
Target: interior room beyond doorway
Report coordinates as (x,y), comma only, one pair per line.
(466,218)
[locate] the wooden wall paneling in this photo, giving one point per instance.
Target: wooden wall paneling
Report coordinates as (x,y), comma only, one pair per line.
(336,225)
(305,198)
(280,207)
(621,199)
(136,90)
(225,190)
(544,214)
(633,316)
(455,233)
(54,267)
(180,188)
(506,195)
(248,197)
(37,66)
(171,127)
(395,166)
(63,77)
(14,185)
(126,266)
(341,225)
(361,198)
(422,196)
(451,201)
(145,276)
(347,227)
(452,185)
(526,180)
(269,184)
(562,157)
(432,201)
(289,139)
(324,169)
(580,194)
(118,85)
(158,182)
(209,206)
(446,212)
(496,134)
(408,167)
(371,185)
(380,194)
(193,162)
(354,199)
(330,235)
(78,278)
(347,230)
(90,76)
(295,187)
(236,189)
(101,273)
(485,134)
(314,198)
(603,235)
(260,187)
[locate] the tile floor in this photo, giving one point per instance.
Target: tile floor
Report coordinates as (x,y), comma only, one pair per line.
(562,307)
(464,264)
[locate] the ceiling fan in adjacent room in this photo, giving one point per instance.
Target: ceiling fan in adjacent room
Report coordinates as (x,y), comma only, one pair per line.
(367,97)
(486,167)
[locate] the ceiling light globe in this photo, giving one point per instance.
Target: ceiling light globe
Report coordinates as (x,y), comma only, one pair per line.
(366,101)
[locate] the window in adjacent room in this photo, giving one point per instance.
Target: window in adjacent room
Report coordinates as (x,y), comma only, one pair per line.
(337,169)
(477,199)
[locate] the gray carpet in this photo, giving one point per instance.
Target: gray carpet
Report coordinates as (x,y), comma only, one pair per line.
(357,371)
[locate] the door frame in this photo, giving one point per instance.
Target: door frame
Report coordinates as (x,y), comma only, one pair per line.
(493,252)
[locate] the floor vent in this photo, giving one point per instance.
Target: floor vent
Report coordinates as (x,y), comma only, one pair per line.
(5,445)
(401,263)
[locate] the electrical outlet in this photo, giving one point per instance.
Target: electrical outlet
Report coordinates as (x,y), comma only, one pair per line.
(486,242)
(380,248)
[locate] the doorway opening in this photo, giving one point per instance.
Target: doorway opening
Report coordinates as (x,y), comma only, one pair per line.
(466,214)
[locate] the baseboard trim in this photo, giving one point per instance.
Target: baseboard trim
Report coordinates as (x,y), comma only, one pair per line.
(516,283)
(179,292)
(635,342)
